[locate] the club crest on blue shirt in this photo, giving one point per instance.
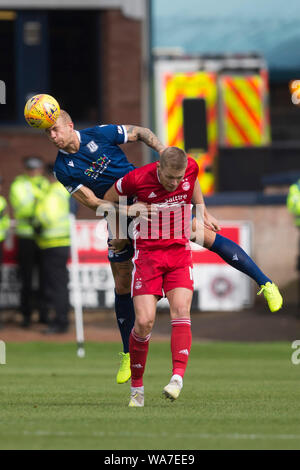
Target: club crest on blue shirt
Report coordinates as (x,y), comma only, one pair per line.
(92,146)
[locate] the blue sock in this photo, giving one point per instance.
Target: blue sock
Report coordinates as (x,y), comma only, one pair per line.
(234,255)
(125,317)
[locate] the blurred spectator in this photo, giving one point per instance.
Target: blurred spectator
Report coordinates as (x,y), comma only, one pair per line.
(25,191)
(4,226)
(293,205)
(52,224)
(4,220)
(293,202)
(74,206)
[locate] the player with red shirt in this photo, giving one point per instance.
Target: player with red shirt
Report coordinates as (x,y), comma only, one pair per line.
(162,261)
(162,244)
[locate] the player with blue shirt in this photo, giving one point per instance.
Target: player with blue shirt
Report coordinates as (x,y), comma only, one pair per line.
(88,163)
(98,162)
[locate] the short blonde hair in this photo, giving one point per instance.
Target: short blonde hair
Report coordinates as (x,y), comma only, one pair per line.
(65,116)
(173,157)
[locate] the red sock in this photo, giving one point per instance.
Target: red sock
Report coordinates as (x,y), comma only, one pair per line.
(138,349)
(181,341)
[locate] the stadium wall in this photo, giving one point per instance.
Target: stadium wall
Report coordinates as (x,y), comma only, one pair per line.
(274,242)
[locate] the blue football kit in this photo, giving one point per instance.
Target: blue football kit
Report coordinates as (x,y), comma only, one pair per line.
(98,164)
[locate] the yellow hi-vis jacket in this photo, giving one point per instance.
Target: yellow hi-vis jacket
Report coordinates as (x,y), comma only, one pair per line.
(24,193)
(293,202)
(52,219)
(4,218)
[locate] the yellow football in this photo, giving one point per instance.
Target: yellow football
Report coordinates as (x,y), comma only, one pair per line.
(41,111)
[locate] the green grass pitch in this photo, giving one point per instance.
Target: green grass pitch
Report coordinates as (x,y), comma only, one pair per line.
(235,396)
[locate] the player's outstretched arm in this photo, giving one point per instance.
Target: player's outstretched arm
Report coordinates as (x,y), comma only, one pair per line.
(135,133)
(85,196)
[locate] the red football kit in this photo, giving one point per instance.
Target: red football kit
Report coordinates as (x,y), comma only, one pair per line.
(162,259)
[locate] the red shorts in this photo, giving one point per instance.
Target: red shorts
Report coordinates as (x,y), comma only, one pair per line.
(159,271)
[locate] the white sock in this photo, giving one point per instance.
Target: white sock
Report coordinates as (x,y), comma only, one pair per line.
(137,389)
(178,379)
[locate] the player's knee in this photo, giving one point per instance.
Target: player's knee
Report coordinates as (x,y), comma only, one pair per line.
(207,244)
(122,283)
(208,239)
(143,326)
(122,277)
(180,311)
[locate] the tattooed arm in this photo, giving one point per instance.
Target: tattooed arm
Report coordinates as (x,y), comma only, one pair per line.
(135,133)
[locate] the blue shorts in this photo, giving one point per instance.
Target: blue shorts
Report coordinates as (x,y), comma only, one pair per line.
(123,255)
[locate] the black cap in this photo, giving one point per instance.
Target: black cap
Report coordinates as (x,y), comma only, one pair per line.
(32,163)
